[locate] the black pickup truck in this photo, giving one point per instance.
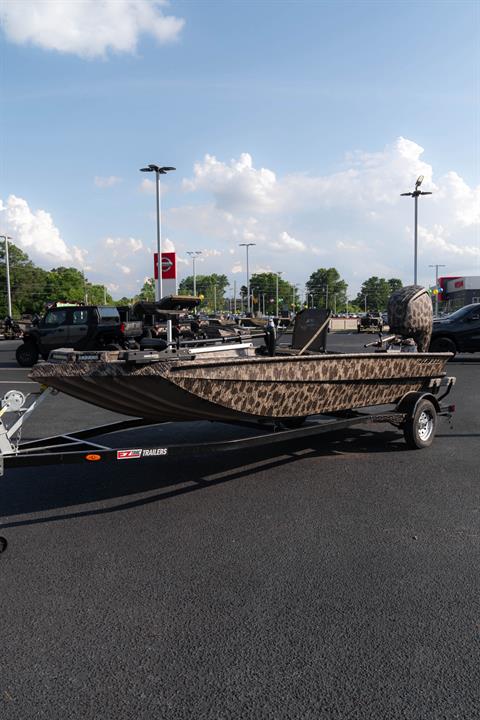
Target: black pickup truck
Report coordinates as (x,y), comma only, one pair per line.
(82,327)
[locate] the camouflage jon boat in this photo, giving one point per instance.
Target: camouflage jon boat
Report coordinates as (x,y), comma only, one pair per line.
(251,388)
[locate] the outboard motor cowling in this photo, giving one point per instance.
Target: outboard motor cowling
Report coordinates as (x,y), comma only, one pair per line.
(410,315)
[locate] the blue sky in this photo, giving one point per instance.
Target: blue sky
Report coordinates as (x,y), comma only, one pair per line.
(294,125)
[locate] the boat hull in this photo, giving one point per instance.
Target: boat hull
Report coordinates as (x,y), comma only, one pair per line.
(246,389)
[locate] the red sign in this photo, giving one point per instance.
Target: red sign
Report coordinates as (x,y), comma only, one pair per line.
(169,266)
(129,454)
(459,284)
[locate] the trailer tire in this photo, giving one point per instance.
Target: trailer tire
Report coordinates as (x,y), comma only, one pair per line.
(420,426)
(26,354)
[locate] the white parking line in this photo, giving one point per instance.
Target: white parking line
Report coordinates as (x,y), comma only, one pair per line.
(19,382)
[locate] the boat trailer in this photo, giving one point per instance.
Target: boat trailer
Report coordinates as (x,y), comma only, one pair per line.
(416,414)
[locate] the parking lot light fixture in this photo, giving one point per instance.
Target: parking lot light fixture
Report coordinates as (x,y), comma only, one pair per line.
(416,194)
(158,171)
(194,254)
(247,245)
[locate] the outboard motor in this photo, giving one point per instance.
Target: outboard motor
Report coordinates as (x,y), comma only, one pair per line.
(271,337)
(410,315)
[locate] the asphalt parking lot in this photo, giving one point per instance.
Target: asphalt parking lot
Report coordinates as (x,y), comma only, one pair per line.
(337,578)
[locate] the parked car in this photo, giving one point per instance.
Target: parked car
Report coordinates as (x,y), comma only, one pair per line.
(458,332)
(81,327)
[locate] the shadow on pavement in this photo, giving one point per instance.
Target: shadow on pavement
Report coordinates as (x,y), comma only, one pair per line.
(24,491)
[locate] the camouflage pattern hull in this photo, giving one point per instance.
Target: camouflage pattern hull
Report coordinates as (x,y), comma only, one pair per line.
(248,389)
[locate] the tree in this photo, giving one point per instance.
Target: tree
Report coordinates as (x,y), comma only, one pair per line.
(27,283)
(147,292)
(375,293)
(263,287)
(212,287)
(327,288)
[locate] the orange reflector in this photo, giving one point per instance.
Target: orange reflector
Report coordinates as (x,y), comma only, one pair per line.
(93,457)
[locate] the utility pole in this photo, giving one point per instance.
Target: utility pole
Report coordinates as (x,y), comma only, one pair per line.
(214,298)
(416,194)
(279,272)
(436,286)
(247,245)
(7,266)
(104,295)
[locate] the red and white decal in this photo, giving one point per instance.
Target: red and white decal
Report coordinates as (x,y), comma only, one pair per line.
(129,454)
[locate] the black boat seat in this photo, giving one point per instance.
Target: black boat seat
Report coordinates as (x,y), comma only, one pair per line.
(153,344)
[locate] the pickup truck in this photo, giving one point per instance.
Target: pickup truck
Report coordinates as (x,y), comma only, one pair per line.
(81,327)
(370,321)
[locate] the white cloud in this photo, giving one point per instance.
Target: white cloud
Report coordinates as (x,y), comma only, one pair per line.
(147,186)
(124,269)
(106,182)
(287,242)
(353,219)
(237,268)
(88,28)
(237,185)
(35,233)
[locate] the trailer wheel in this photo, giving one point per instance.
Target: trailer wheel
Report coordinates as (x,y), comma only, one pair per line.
(3,544)
(419,429)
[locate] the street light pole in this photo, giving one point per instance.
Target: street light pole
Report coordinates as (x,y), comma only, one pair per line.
(194,254)
(436,286)
(416,194)
(279,272)
(158,171)
(247,245)
(7,267)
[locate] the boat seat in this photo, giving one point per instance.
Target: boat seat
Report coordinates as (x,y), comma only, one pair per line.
(307,323)
(153,344)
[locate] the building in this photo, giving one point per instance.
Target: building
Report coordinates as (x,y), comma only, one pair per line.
(459,291)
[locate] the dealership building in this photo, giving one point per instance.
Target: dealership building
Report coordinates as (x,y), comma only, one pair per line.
(458,291)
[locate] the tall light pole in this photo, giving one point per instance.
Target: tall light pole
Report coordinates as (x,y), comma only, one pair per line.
(194,254)
(7,266)
(247,245)
(436,285)
(279,272)
(416,194)
(158,171)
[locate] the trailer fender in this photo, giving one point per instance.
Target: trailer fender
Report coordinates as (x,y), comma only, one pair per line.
(408,403)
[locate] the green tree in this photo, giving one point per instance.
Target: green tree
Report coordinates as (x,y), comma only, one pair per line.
(210,286)
(27,283)
(375,293)
(263,286)
(147,292)
(327,289)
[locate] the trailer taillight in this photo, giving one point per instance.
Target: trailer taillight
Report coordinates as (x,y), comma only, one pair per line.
(122,328)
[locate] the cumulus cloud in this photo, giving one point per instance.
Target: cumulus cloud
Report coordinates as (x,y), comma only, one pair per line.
(36,233)
(88,28)
(124,268)
(353,218)
(286,241)
(106,182)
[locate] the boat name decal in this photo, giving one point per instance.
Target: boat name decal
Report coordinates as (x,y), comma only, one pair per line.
(141,452)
